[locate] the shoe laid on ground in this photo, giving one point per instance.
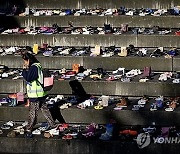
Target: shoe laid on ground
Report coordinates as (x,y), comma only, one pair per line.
(90,130)
(153,107)
(28,134)
(12,134)
(65,106)
(129,132)
(123,103)
(36,132)
(172,106)
(108,134)
(149,129)
(137,107)
(5,127)
(4,100)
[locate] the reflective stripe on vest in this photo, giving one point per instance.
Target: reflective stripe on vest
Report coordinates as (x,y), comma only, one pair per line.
(35,89)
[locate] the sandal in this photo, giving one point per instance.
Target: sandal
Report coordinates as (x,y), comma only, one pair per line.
(67,137)
(47,135)
(98,107)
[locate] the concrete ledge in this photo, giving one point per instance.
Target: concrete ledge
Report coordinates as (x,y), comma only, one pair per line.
(112,63)
(124,117)
(176,64)
(158,41)
(94,21)
(101,88)
(107,63)
(102,4)
(11,86)
(86,116)
(120,88)
(76,146)
(80,21)
(147,21)
(91,40)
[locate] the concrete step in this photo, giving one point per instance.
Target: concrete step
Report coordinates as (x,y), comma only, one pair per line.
(94,21)
(150,88)
(85,116)
(72,4)
(42,145)
(91,40)
(107,63)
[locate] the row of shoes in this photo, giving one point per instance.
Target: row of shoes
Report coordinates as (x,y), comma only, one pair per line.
(78,72)
(105,132)
(107,29)
(13,100)
(101,12)
(49,51)
(98,103)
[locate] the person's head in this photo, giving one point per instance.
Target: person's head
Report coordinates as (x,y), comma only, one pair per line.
(29,59)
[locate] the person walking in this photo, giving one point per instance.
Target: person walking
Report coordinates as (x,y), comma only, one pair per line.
(32,73)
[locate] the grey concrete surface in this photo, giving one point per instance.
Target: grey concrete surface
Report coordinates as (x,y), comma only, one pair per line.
(41,145)
(91,40)
(107,63)
(97,21)
(102,4)
(101,88)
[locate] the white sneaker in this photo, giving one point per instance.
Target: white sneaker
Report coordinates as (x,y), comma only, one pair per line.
(54,132)
(65,52)
(130,13)
(36,132)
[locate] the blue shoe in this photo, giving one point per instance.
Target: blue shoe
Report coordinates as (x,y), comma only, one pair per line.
(105,137)
(29,135)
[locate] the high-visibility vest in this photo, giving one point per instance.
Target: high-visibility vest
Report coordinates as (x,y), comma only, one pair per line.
(34,88)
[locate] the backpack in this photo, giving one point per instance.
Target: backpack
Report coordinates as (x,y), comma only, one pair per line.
(48,79)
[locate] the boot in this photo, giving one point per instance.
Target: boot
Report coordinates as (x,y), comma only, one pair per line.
(108,134)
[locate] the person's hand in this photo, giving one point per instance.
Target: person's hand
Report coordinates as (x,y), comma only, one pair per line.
(25,66)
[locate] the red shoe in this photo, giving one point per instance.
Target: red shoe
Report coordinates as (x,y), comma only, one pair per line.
(177,33)
(12,95)
(129,132)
